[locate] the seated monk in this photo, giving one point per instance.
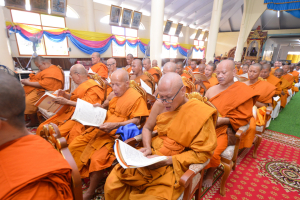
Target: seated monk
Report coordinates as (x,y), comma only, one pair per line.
(98,67)
(30,168)
(294,73)
(289,77)
(277,65)
(234,101)
(189,62)
(285,86)
(194,67)
(245,69)
(87,90)
(93,149)
(264,89)
(129,60)
(49,77)
(179,70)
(185,140)
(209,70)
(112,66)
(265,73)
(154,63)
(201,68)
(154,72)
(169,67)
(238,68)
(137,70)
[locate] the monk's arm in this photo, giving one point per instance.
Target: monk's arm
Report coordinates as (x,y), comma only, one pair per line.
(33,84)
(259,104)
(109,97)
(223,121)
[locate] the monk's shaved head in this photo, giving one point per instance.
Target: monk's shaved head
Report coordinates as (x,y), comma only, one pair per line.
(112,60)
(154,63)
(12,100)
(279,70)
(259,66)
(265,72)
(225,72)
(147,64)
(96,54)
(80,69)
(278,73)
(169,67)
(121,75)
(254,71)
(96,58)
(267,67)
(171,79)
(78,73)
(137,67)
(201,68)
(285,68)
(147,60)
(119,82)
(40,59)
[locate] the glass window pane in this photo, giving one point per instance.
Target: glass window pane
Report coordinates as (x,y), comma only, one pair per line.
(54,21)
(174,39)
(173,53)
(201,43)
(166,38)
(25,17)
(118,51)
(25,47)
(196,43)
(165,53)
(55,48)
(131,32)
(116,30)
(130,50)
(198,55)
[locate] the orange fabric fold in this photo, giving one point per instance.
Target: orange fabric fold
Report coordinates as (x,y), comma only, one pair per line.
(276,82)
(155,74)
(265,90)
(101,69)
(147,80)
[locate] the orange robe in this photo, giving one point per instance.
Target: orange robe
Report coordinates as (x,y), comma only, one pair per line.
(273,70)
(155,74)
(266,91)
(31,168)
(236,103)
(190,87)
(186,135)
(285,86)
(128,70)
(100,69)
(187,68)
(296,76)
(147,80)
(239,71)
(211,82)
(186,75)
(93,149)
(290,78)
(50,79)
(89,91)
(276,82)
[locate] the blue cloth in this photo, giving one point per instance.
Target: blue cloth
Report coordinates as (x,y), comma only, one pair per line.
(128,131)
(290,6)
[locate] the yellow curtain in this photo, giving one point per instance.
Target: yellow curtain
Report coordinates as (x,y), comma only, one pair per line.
(289,57)
(295,59)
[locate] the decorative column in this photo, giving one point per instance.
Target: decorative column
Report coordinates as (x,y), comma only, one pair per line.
(5,52)
(156,30)
(89,4)
(214,29)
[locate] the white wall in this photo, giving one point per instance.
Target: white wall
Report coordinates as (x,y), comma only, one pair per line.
(285,49)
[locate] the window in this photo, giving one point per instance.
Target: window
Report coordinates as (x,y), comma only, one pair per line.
(44,22)
(123,33)
(173,40)
(198,43)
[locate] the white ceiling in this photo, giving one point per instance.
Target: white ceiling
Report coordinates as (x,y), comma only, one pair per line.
(197,14)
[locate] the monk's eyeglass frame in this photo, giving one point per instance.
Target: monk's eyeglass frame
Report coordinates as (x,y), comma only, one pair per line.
(168,100)
(3,119)
(110,64)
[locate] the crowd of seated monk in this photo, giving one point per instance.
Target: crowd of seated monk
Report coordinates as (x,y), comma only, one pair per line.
(186,132)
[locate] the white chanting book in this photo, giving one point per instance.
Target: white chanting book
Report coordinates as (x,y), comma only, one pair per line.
(91,71)
(47,102)
(88,115)
(146,87)
(129,157)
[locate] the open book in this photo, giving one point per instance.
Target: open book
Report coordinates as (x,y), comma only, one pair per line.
(200,76)
(88,115)
(129,157)
(47,102)
(146,87)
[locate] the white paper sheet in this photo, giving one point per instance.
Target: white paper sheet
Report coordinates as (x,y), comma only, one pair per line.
(146,87)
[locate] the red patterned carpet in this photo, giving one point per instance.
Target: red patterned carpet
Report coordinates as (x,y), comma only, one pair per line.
(275,174)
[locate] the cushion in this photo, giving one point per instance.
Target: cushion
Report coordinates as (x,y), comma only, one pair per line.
(196,180)
(228,152)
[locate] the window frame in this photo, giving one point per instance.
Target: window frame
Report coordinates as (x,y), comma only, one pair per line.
(43,36)
(171,43)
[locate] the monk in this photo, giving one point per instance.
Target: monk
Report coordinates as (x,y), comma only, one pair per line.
(209,70)
(93,149)
(285,86)
(234,101)
(137,70)
(186,79)
(172,60)
(169,67)
(203,61)
(277,65)
(98,67)
(189,62)
(30,168)
(129,60)
(294,73)
(179,70)
(154,63)
(49,78)
(185,140)
(112,66)
(156,73)
(289,77)
(194,66)
(238,68)
(201,68)
(87,90)
(245,68)
(265,73)
(264,89)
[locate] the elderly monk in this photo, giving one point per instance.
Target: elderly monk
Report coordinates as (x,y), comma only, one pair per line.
(30,168)
(93,149)
(129,60)
(201,68)
(186,135)
(154,72)
(264,89)
(87,90)
(265,73)
(179,70)
(48,78)
(289,77)
(154,63)
(234,101)
(137,69)
(285,86)
(194,66)
(238,68)
(98,67)
(169,67)
(112,66)
(189,62)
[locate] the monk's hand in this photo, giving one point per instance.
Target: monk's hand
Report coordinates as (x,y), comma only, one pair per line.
(161,163)
(61,93)
(108,126)
(61,100)
(97,105)
(25,81)
(282,93)
(146,151)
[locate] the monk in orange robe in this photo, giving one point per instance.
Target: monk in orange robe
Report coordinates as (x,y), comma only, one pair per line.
(186,135)
(194,67)
(211,80)
(234,101)
(112,66)
(93,149)
(30,168)
(98,67)
(188,67)
(129,60)
(294,73)
(154,63)
(201,68)
(285,86)
(265,73)
(87,90)
(277,65)
(49,78)
(264,89)
(155,72)
(238,68)
(289,77)
(179,70)
(137,70)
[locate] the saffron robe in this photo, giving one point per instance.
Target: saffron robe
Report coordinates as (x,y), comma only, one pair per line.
(187,68)
(235,103)
(276,82)
(50,79)
(290,78)
(89,91)
(147,80)
(186,75)
(211,82)
(296,76)
(239,71)
(31,168)
(94,152)
(188,135)
(285,86)
(101,69)
(155,74)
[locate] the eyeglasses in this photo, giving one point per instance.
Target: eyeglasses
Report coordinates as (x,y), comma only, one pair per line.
(3,119)
(168,100)
(110,64)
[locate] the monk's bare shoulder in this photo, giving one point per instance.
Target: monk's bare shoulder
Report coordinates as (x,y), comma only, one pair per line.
(157,109)
(247,82)
(212,91)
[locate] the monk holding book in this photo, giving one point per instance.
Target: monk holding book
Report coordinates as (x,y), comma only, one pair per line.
(186,135)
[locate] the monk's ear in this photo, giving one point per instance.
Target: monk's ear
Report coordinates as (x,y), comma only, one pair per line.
(183,90)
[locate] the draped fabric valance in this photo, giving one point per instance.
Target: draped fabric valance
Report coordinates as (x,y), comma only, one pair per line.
(290,6)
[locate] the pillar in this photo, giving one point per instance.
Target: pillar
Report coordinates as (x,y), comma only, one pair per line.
(214,29)
(5,52)
(156,30)
(89,4)
(253,9)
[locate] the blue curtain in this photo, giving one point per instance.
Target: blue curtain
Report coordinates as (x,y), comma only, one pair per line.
(290,6)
